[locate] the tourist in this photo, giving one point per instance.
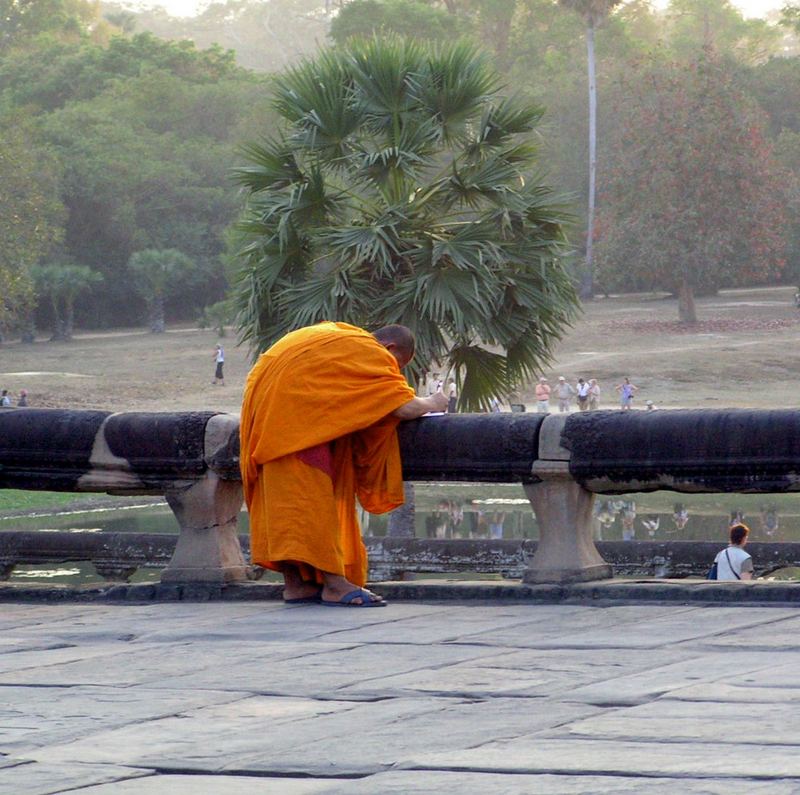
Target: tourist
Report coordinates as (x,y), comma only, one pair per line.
(219,358)
(651,524)
(5,400)
(582,391)
(769,520)
(594,394)
(564,393)
(435,384)
(680,516)
(306,452)
(542,396)
(496,525)
(452,398)
(626,392)
(22,401)
(733,563)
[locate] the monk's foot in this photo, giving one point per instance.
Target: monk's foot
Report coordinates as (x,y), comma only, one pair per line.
(350,594)
(305,591)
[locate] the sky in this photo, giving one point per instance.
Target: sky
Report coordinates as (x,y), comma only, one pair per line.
(750,8)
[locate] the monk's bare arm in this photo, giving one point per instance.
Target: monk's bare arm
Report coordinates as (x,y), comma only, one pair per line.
(418,406)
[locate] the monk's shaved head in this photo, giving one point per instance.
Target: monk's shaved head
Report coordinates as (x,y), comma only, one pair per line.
(399,340)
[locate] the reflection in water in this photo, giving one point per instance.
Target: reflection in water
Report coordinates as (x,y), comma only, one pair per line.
(469,511)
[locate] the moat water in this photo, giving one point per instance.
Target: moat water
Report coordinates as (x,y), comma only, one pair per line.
(464,511)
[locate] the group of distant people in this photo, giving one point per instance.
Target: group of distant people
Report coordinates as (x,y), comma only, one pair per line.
(6,399)
(450,520)
(434,384)
(586,393)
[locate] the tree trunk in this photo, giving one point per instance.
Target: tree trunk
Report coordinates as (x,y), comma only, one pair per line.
(58,323)
(687,313)
(401,520)
(27,332)
(157,315)
(587,282)
(69,319)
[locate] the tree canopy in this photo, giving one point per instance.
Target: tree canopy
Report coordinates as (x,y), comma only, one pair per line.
(693,199)
(402,188)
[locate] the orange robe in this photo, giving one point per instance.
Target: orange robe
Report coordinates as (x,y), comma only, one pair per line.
(315,432)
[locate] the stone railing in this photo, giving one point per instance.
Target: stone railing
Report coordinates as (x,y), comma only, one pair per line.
(561,462)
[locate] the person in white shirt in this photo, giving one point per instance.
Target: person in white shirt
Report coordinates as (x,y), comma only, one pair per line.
(582,390)
(564,393)
(733,563)
(435,384)
(594,394)
(219,358)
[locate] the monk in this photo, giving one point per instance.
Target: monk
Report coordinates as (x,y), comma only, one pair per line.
(318,428)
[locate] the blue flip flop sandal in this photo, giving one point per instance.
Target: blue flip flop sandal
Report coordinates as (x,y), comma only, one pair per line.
(347,600)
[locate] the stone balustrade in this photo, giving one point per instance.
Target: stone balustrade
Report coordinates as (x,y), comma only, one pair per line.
(561,462)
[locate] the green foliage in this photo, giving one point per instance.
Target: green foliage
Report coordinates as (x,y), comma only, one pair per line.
(62,283)
(144,131)
(22,19)
(694,199)
(717,25)
(787,153)
(32,218)
(217,316)
(414,18)
(402,189)
(155,274)
(790,16)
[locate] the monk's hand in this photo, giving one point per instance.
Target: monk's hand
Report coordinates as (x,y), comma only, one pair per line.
(418,406)
(439,401)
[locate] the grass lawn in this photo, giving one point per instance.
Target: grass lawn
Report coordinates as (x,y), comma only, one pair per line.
(15,500)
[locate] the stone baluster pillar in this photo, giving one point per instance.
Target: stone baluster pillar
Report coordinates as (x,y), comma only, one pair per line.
(566,551)
(207,511)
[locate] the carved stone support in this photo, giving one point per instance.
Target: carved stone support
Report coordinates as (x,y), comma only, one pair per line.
(207,511)
(563,508)
(6,569)
(208,548)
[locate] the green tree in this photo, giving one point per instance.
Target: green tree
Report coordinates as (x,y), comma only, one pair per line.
(403,189)
(362,18)
(158,274)
(62,283)
(694,199)
(32,218)
(696,25)
(22,19)
(145,131)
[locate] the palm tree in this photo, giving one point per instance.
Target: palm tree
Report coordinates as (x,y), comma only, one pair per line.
(402,189)
(593,12)
(157,274)
(62,284)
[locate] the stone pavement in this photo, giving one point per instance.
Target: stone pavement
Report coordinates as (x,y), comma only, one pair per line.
(235,698)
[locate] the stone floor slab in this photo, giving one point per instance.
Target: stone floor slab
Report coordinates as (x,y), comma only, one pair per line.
(214,785)
(534,754)
(426,782)
(595,628)
(637,688)
(33,717)
(485,698)
(679,721)
(521,672)
(49,779)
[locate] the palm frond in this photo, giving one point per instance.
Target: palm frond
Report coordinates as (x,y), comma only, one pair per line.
(485,375)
